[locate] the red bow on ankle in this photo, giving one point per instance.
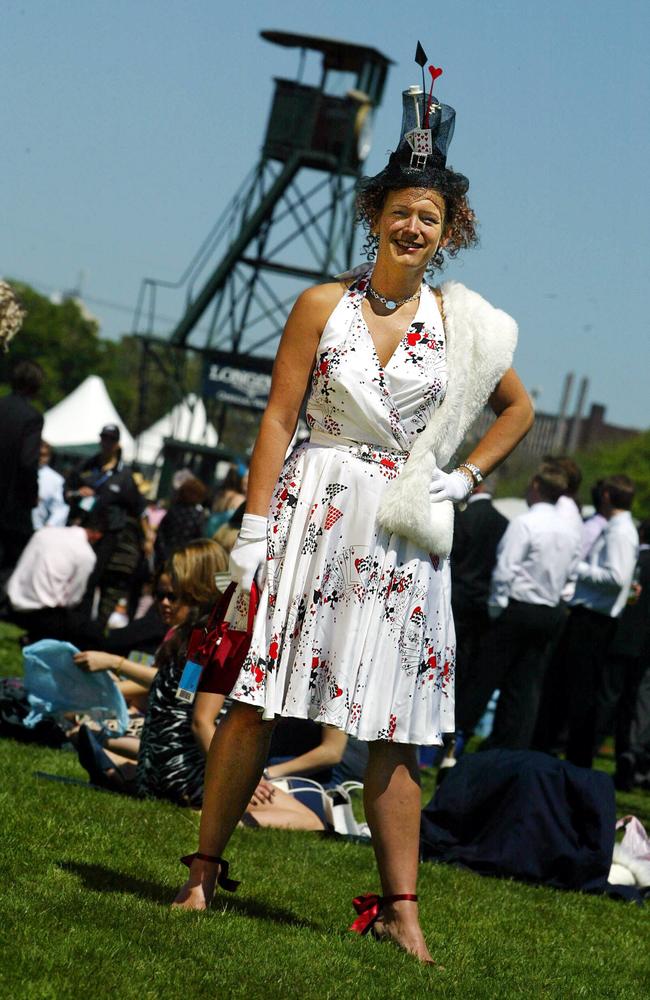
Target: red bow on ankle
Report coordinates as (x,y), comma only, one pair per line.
(368,907)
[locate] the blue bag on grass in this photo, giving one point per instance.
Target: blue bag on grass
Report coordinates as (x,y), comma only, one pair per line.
(55,684)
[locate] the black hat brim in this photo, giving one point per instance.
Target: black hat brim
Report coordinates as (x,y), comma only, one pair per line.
(397,175)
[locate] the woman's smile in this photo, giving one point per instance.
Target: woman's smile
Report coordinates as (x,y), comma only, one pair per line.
(408,246)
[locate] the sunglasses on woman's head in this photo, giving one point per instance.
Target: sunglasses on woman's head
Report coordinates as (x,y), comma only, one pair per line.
(167,595)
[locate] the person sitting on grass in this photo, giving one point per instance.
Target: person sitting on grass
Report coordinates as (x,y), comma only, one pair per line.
(48,583)
(170,763)
(303,747)
(133,678)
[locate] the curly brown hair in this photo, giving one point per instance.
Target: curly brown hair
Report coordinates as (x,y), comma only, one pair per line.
(460,223)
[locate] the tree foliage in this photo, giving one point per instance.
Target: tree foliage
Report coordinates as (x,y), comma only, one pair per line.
(65,341)
(630,457)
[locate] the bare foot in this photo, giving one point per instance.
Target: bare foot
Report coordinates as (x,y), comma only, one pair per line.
(197,892)
(399,923)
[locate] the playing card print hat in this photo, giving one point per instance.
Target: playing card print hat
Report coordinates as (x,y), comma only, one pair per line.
(420,159)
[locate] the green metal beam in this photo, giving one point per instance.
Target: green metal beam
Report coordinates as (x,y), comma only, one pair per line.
(215,282)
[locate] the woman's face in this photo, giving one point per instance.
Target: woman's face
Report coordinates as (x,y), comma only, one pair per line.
(171,609)
(411,225)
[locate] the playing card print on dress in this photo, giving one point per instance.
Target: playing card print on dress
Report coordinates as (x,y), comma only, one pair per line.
(354,627)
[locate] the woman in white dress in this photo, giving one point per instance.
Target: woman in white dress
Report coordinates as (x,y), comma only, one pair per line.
(354,627)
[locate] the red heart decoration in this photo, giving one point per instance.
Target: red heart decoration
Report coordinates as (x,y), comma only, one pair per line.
(435,72)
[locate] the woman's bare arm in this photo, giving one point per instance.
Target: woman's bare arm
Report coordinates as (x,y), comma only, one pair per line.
(92,660)
(204,718)
(292,370)
(515,416)
(328,752)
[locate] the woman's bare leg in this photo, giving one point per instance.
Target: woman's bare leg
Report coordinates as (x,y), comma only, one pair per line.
(125,746)
(284,812)
(235,763)
(392,805)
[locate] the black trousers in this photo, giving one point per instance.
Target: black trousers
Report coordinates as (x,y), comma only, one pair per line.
(12,543)
(550,734)
(616,701)
(472,625)
(48,623)
(513,659)
(587,638)
(639,732)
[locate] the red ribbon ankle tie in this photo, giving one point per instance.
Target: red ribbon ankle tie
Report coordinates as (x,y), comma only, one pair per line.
(229,884)
(369,908)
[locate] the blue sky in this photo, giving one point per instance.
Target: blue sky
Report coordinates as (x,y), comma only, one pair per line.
(122,125)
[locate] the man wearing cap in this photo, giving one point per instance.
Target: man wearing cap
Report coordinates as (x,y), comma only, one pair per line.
(104,482)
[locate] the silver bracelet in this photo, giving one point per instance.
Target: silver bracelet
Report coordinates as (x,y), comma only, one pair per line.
(474,470)
(467,476)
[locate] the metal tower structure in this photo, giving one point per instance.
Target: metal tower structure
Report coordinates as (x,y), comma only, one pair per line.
(289,224)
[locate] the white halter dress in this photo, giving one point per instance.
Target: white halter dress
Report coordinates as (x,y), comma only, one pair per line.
(354,627)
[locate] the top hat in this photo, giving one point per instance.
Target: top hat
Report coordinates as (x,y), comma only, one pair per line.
(420,159)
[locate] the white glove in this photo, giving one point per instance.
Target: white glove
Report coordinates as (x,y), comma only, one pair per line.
(248,554)
(449,486)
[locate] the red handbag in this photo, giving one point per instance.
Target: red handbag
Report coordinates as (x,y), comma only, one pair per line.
(219,648)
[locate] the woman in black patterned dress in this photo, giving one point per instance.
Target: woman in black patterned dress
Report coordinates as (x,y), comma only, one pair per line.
(170,763)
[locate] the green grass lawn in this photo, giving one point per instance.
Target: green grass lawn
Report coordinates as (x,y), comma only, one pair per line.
(88,876)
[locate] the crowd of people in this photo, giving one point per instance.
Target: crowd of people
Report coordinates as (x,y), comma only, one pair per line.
(350,668)
(552,611)
(87,559)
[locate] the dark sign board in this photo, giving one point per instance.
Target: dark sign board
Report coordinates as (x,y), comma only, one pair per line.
(237,379)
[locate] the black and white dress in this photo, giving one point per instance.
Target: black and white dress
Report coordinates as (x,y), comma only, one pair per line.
(354,627)
(170,763)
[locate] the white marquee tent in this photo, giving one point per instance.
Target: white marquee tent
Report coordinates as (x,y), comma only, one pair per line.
(187,421)
(76,421)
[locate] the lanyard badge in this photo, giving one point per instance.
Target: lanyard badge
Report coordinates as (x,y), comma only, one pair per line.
(198,656)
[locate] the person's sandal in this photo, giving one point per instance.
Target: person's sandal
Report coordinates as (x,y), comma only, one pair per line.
(229,884)
(370,908)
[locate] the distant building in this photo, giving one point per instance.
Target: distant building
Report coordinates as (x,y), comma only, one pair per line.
(561,434)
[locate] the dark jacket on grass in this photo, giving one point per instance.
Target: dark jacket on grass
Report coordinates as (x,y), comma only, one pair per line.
(525,815)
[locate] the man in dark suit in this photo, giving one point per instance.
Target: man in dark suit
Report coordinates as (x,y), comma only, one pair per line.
(619,706)
(477,532)
(104,483)
(20,439)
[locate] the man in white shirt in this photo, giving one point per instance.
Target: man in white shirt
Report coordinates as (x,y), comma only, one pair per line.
(568,507)
(549,715)
(50,578)
(536,557)
(602,588)
(594,526)
(51,510)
